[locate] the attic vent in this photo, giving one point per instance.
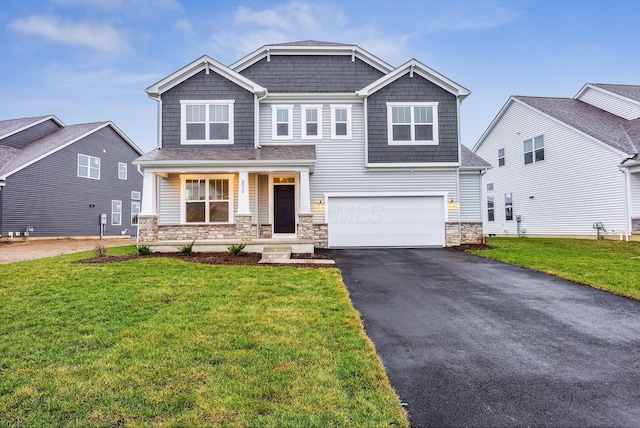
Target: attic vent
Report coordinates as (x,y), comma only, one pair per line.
(206,66)
(411,71)
(268,55)
(353,55)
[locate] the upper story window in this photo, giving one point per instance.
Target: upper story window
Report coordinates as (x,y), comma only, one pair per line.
(508,206)
(208,199)
(122,170)
(534,150)
(341,121)
(312,122)
(88,167)
(412,123)
(500,157)
(207,122)
(282,122)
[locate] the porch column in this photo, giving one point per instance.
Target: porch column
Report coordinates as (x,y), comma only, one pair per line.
(148,206)
(305,193)
(243,193)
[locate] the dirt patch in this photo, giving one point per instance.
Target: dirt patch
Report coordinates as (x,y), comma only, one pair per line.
(17,250)
(465,247)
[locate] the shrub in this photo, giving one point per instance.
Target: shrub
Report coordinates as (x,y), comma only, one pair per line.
(236,249)
(187,250)
(143,250)
(100,250)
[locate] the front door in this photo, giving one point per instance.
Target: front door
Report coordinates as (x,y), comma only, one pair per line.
(284,211)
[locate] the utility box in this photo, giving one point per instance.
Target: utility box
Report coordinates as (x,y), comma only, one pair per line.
(103,219)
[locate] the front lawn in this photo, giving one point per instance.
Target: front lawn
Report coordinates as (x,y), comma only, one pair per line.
(607,264)
(165,342)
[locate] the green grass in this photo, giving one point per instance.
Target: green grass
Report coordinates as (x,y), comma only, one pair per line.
(162,342)
(607,264)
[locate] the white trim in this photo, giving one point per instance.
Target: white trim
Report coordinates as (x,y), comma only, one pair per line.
(424,165)
(89,168)
(379,194)
(120,164)
(183,206)
(37,122)
(413,142)
(303,115)
(314,98)
(115,211)
(274,121)
(349,123)
(207,122)
(296,184)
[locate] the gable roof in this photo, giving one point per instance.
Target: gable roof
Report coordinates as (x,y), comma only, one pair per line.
(13,126)
(13,160)
(415,66)
(631,92)
(207,63)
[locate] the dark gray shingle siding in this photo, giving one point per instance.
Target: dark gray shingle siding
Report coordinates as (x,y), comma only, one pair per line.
(210,86)
(30,134)
(412,89)
(312,73)
(49,196)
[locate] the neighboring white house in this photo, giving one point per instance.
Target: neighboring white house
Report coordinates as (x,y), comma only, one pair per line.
(560,165)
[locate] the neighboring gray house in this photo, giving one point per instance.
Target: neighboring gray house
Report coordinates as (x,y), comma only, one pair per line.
(56,180)
(562,164)
(309,144)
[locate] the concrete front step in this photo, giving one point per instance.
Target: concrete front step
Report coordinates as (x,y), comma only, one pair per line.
(276,252)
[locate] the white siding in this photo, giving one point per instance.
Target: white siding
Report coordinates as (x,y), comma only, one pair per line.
(611,103)
(470,197)
(635,194)
(576,185)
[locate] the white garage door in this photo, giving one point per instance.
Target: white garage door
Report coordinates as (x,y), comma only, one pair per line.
(385,221)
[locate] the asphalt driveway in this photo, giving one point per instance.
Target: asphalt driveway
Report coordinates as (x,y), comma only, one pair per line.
(472,342)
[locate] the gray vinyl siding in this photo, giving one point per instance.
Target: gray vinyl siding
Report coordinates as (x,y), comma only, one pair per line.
(412,89)
(49,195)
(312,73)
(470,193)
(613,104)
(263,199)
(30,134)
(210,86)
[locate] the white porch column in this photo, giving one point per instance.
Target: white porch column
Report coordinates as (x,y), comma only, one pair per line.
(305,193)
(243,193)
(148,194)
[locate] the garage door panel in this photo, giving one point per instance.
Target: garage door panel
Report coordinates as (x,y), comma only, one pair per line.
(400,221)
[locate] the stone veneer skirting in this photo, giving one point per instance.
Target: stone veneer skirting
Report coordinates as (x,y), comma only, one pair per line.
(635,224)
(463,233)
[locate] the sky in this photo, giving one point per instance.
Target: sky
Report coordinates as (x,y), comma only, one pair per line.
(91,60)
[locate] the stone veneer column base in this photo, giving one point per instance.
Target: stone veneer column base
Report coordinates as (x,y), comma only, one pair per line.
(243,227)
(463,233)
(148,228)
(635,224)
(305,226)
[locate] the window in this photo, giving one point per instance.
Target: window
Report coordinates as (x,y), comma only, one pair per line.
(135,195)
(116,213)
(135,210)
(88,167)
(414,123)
(534,150)
(282,126)
(206,122)
(490,208)
(508,206)
(500,157)
(489,187)
(207,200)
(312,122)
(122,170)
(340,121)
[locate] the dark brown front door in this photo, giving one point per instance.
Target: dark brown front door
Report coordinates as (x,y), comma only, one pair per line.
(284,211)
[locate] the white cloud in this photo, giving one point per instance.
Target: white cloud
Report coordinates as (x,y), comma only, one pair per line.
(139,5)
(287,17)
(184,25)
(99,37)
(469,15)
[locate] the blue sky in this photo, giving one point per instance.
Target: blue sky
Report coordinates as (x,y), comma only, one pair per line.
(90,60)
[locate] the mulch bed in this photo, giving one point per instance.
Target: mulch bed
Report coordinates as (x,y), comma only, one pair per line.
(465,247)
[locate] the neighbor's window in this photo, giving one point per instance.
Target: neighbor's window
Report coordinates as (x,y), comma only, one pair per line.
(135,211)
(116,213)
(282,122)
(534,150)
(500,157)
(207,200)
(414,123)
(88,167)
(312,122)
(508,206)
(340,121)
(205,122)
(489,187)
(122,170)
(490,208)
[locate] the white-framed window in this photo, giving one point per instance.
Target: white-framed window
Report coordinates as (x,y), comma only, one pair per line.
(508,206)
(500,157)
(311,122)
(489,187)
(207,122)
(135,211)
(88,166)
(135,195)
(116,213)
(282,122)
(207,199)
(490,208)
(534,150)
(412,123)
(341,121)
(122,171)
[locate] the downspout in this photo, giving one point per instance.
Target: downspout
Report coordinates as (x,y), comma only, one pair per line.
(627,215)
(256,118)
(458,170)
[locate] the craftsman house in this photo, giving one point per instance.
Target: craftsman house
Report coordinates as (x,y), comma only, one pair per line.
(62,181)
(564,166)
(309,144)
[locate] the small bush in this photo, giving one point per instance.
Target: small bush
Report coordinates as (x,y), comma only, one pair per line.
(236,249)
(143,250)
(100,250)
(187,250)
